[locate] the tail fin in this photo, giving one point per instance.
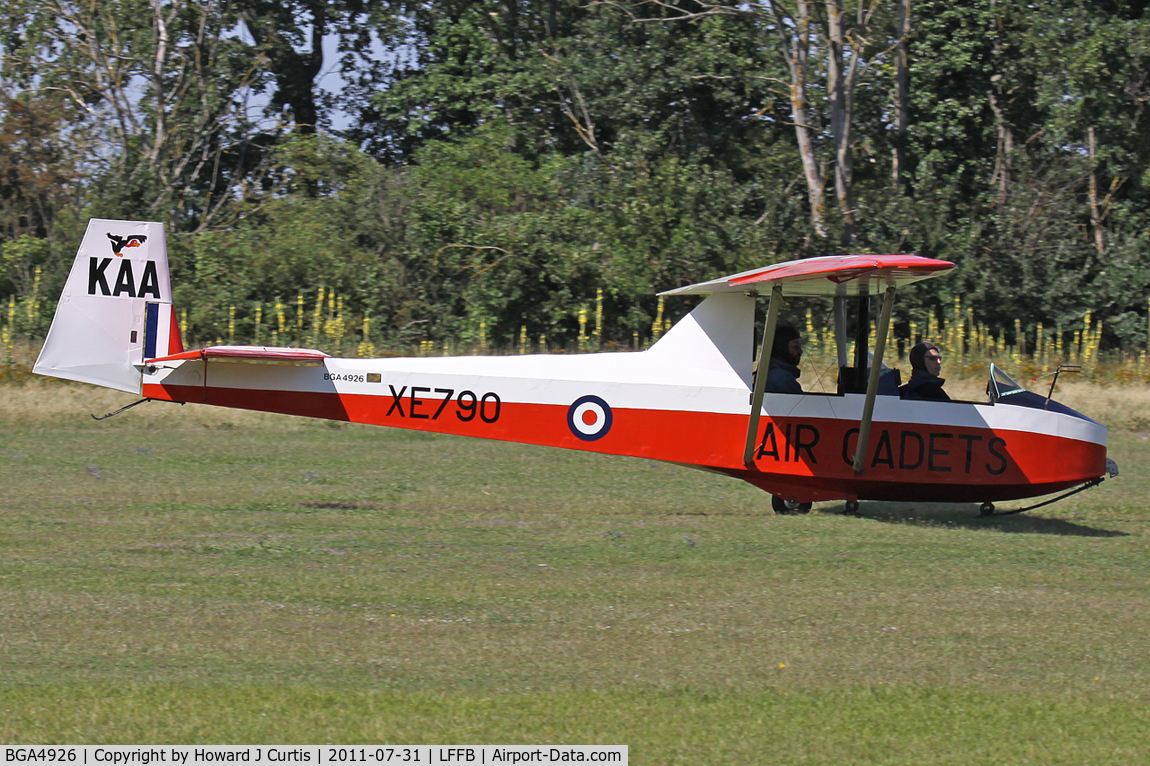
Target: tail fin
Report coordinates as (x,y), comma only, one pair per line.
(116,308)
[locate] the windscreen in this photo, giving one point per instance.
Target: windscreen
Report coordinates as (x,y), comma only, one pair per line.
(1001,384)
(1004,390)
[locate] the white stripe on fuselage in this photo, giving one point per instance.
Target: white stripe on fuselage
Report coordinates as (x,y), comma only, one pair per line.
(625,380)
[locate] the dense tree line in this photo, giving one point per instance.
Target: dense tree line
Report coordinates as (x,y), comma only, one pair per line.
(498,162)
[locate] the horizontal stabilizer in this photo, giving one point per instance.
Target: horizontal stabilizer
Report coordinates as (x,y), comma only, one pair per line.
(278,354)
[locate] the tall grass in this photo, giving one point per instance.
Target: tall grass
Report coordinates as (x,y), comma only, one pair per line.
(1030,351)
(321,320)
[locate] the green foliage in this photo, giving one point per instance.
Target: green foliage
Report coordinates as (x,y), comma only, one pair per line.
(36,272)
(1006,97)
(518,243)
(319,229)
(20,259)
(506,161)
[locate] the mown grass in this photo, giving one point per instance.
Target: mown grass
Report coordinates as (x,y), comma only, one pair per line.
(196,575)
(773,726)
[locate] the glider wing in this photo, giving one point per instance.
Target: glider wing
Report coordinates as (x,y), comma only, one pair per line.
(831,275)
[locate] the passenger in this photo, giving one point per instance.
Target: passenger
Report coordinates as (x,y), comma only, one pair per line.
(786,353)
(783,378)
(924,383)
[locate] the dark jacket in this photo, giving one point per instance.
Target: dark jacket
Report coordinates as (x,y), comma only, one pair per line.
(783,378)
(924,386)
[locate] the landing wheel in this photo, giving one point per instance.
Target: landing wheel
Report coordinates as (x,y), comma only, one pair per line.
(788,507)
(852,508)
(986,509)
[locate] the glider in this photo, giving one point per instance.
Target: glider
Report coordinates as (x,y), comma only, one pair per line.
(691,399)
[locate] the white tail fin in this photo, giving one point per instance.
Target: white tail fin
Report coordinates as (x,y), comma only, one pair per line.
(116,308)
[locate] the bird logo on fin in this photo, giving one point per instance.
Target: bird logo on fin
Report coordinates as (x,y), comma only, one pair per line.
(132,240)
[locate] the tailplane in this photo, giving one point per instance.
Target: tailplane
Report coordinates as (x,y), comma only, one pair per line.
(116,308)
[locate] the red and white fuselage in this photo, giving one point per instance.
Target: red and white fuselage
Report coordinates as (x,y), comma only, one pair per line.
(676,404)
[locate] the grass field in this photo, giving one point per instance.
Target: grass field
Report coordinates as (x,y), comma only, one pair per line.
(183,575)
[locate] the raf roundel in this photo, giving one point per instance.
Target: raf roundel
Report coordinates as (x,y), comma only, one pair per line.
(589,418)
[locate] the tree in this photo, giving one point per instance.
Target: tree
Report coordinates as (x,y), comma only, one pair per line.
(846,37)
(37,169)
(1007,97)
(159,96)
(291,36)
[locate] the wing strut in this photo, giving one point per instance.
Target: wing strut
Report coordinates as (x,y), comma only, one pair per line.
(872,381)
(840,312)
(762,369)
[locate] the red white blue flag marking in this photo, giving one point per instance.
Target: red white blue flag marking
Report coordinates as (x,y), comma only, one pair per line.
(589,418)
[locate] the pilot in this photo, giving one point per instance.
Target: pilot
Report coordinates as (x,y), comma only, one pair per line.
(924,383)
(786,353)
